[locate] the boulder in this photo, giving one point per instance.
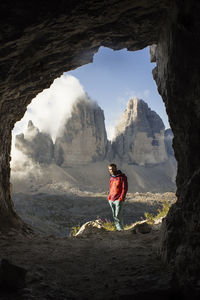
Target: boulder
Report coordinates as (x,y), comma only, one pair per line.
(91,227)
(141,227)
(12,277)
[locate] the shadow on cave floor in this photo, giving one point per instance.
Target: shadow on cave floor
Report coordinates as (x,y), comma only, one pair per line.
(112,265)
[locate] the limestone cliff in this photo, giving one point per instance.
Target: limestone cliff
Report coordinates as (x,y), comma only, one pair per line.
(139,135)
(82,152)
(35,144)
(83,138)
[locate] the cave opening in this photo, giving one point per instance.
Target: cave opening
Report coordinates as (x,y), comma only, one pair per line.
(39,43)
(71,132)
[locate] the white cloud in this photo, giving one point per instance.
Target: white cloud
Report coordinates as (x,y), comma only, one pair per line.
(50,107)
(144,95)
(122,101)
(111,121)
(110,129)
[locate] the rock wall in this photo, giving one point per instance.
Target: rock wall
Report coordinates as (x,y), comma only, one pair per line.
(177,76)
(8,216)
(139,135)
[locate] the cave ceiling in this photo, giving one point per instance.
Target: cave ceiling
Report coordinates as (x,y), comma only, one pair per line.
(41,41)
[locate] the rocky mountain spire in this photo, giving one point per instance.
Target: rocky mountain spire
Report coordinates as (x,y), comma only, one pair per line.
(83,138)
(139,135)
(35,144)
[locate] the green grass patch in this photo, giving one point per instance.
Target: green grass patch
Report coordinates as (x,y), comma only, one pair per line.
(149,217)
(164,211)
(161,213)
(108,225)
(74,230)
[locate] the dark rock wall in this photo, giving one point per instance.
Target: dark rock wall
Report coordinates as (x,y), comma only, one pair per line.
(178,79)
(8,217)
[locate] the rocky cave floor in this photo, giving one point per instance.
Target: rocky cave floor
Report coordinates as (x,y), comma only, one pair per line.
(108,265)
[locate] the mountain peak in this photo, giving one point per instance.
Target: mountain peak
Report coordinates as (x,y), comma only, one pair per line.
(35,144)
(83,138)
(132,106)
(31,132)
(139,126)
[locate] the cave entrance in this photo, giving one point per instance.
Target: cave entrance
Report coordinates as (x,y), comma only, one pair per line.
(61,148)
(39,43)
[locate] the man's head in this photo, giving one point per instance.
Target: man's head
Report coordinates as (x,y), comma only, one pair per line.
(112,169)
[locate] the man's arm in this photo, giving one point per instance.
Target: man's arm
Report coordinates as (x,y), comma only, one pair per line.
(109,196)
(124,188)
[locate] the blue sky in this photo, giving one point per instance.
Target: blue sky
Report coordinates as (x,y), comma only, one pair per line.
(116,76)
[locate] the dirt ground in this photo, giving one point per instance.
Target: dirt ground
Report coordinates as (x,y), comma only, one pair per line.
(55,214)
(110,265)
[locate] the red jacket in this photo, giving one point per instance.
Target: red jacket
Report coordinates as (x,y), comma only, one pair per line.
(118,187)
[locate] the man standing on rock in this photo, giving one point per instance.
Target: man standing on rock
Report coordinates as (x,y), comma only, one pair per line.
(117,193)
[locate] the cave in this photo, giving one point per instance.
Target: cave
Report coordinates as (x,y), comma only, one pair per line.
(40,42)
